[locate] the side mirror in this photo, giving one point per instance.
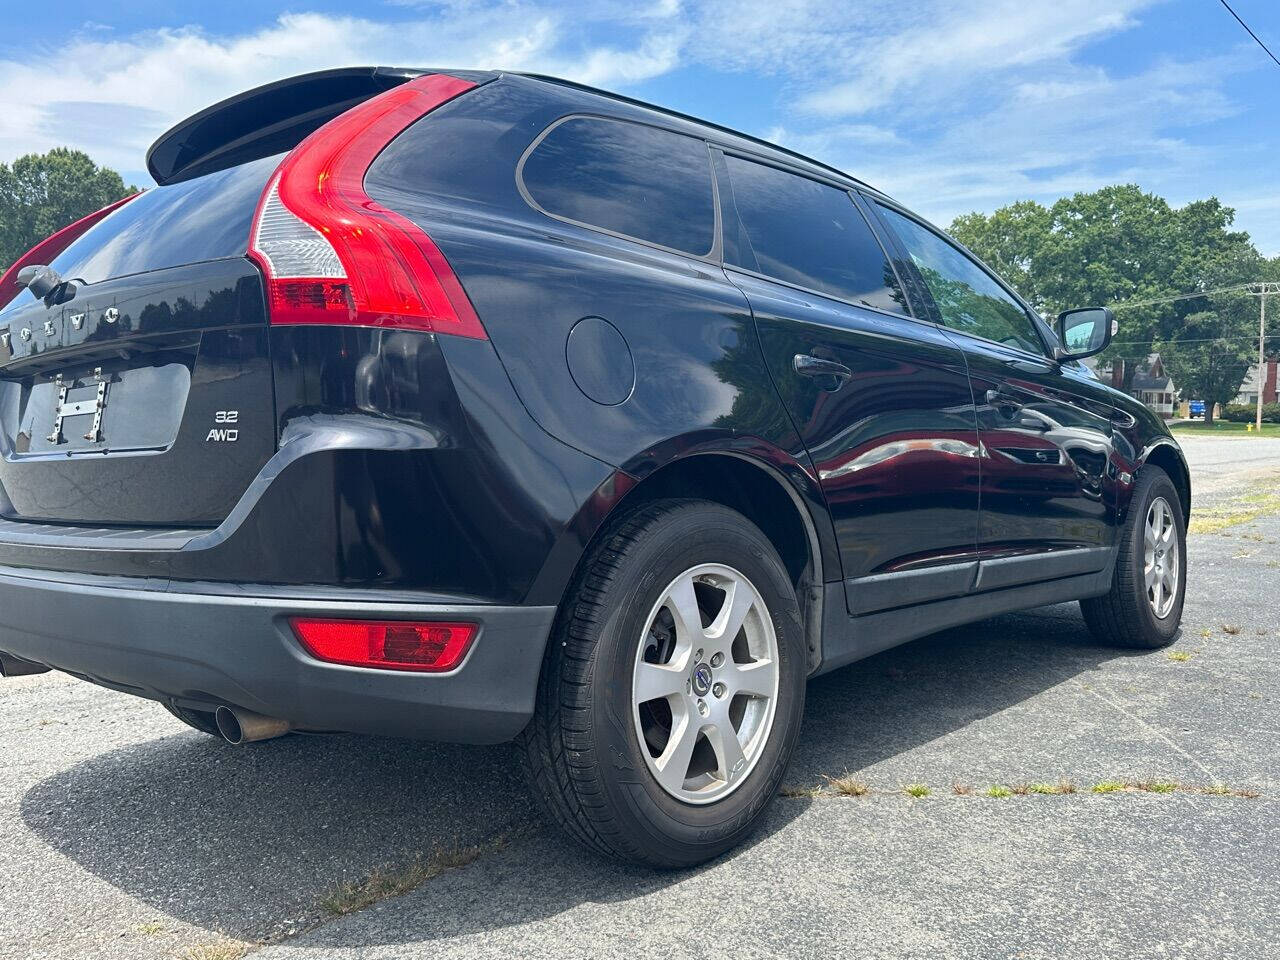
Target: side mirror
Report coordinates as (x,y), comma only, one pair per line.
(1084,332)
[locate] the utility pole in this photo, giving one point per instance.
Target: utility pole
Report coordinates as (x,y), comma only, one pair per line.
(1262,291)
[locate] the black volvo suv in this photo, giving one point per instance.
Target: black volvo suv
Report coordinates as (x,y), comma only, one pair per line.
(480,406)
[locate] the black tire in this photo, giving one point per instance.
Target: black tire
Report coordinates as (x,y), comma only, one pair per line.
(581,753)
(196,719)
(1124,617)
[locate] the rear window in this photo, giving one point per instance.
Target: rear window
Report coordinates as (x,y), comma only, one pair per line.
(203,219)
(807,233)
(626,178)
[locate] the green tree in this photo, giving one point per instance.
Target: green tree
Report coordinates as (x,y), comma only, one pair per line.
(1011,241)
(42,193)
(1113,245)
(1212,352)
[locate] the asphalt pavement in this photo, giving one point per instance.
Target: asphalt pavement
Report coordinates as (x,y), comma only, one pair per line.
(123,834)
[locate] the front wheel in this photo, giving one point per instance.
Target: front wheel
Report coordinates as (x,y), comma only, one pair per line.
(671,696)
(1144,606)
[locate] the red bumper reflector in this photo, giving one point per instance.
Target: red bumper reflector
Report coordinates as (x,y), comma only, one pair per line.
(386,644)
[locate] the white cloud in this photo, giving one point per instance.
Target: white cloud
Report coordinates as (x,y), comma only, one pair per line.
(147,82)
(963,47)
(951,105)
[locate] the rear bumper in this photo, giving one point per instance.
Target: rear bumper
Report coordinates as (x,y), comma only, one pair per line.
(201,650)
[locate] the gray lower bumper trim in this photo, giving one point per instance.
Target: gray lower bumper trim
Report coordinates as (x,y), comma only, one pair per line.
(200,649)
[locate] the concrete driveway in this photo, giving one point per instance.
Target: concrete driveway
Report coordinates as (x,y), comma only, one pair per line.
(123,834)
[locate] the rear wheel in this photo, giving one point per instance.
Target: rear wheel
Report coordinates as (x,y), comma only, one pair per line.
(671,696)
(1144,606)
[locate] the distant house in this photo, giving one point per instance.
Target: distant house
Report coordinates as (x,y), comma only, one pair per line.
(1249,389)
(1155,388)
(1150,384)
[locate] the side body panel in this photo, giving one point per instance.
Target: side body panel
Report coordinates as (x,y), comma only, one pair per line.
(673,365)
(1050,476)
(1049,488)
(895,447)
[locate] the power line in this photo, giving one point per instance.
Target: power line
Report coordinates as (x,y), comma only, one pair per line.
(1181,296)
(1143,343)
(1236,288)
(1250,32)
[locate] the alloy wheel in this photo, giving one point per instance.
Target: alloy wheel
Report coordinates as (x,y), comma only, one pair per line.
(705,685)
(1161,568)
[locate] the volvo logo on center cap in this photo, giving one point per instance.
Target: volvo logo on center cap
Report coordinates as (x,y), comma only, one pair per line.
(701,679)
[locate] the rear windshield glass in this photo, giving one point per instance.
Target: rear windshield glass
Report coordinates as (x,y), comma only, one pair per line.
(203,219)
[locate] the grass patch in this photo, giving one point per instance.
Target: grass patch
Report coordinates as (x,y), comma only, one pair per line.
(1230,628)
(1200,428)
(1045,789)
(150,929)
(1222,790)
(847,786)
(1109,786)
(216,950)
(997,792)
(1239,511)
(916,790)
(1178,656)
(962,790)
(795,790)
(388,882)
(1158,786)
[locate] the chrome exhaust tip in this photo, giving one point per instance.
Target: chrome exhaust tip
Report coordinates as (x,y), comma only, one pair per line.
(243,726)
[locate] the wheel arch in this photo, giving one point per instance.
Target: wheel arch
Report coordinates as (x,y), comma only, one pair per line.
(776,494)
(1168,457)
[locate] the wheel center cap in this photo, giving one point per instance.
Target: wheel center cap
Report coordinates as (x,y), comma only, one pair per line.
(701,679)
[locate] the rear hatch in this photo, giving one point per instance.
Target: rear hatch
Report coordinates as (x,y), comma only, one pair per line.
(146,398)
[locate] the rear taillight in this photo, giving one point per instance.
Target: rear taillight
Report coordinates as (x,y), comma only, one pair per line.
(45,251)
(386,645)
(333,255)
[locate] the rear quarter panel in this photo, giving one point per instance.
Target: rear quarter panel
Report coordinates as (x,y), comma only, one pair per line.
(700,382)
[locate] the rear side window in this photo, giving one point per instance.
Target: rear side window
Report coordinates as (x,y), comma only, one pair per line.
(807,233)
(627,178)
(207,218)
(966,296)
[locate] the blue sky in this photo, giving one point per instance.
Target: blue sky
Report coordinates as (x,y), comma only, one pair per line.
(949,105)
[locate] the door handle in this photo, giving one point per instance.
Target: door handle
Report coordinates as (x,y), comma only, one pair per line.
(808,366)
(1002,401)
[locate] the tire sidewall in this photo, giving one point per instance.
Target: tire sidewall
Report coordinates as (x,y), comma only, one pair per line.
(1159,485)
(687,536)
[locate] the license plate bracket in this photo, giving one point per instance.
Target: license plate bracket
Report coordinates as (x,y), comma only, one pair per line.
(62,409)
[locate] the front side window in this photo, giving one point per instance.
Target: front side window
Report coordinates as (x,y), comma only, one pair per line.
(966,296)
(626,178)
(807,233)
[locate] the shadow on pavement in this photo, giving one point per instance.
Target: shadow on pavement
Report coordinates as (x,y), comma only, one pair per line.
(241,840)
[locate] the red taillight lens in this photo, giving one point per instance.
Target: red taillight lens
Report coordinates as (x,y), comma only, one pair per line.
(387,645)
(50,247)
(333,255)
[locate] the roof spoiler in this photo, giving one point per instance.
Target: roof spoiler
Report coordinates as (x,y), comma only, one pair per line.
(271,119)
